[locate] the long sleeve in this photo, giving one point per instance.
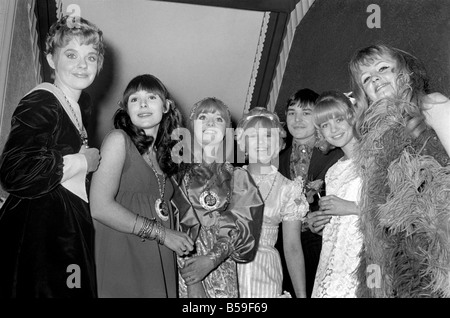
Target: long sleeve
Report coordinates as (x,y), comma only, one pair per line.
(186,215)
(238,214)
(32,160)
(241,222)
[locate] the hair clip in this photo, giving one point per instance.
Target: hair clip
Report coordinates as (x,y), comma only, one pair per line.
(73,22)
(349,96)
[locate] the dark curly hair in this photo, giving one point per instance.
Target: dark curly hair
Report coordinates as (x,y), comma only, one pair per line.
(171,120)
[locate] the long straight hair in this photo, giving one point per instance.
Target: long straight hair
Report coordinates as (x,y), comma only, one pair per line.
(334,104)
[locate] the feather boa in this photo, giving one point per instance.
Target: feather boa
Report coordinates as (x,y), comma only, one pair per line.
(405,208)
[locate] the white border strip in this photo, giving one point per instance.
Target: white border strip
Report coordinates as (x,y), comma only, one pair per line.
(294,20)
(256,61)
(7,14)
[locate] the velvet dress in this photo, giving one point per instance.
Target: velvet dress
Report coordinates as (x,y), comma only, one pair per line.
(228,233)
(126,266)
(46,231)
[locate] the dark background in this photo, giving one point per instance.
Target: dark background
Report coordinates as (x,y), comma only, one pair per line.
(332,30)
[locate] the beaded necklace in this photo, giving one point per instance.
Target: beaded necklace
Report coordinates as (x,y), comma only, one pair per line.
(161,207)
(80,127)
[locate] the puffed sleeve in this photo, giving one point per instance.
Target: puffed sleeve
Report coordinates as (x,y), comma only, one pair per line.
(293,205)
(30,164)
(240,224)
(187,218)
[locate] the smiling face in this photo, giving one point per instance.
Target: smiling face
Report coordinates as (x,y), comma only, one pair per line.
(75,66)
(337,131)
(379,78)
(300,123)
(146,111)
(209,128)
(262,144)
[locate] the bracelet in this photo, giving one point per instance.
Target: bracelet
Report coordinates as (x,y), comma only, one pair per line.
(160,234)
(147,228)
(220,251)
(156,231)
(135,221)
(146,231)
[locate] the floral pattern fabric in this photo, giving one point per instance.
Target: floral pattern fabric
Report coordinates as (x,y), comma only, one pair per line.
(300,159)
(341,238)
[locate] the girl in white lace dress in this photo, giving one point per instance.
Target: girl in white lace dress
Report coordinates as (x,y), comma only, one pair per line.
(334,116)
(261,135)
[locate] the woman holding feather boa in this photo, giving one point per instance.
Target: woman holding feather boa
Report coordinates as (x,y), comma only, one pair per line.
(403,159)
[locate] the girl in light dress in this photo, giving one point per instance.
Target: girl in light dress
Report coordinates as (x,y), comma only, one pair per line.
(260,134)
(334,116)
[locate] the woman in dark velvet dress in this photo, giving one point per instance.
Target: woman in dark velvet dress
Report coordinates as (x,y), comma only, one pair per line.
(46,231)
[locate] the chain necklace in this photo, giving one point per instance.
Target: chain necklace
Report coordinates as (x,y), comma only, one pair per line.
(80,127)
(208,199)
(271,186)
(161,206)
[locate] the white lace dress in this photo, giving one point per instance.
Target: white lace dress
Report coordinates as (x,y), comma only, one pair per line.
(263,277)
(341,238)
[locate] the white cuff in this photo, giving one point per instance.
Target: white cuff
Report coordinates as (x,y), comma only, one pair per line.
(74,175)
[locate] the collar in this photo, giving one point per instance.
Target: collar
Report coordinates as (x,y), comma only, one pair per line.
(309,145)
(270,170)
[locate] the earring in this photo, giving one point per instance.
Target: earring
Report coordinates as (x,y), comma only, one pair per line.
(318,134)
(320,138)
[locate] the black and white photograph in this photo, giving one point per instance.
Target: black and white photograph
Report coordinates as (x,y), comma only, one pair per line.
(255,151)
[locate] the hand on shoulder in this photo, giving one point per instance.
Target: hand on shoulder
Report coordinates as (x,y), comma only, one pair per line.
(436,109)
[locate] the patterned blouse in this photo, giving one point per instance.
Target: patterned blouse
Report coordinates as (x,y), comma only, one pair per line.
(300,159)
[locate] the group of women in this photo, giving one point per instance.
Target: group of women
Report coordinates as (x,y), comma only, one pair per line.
(130,221)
